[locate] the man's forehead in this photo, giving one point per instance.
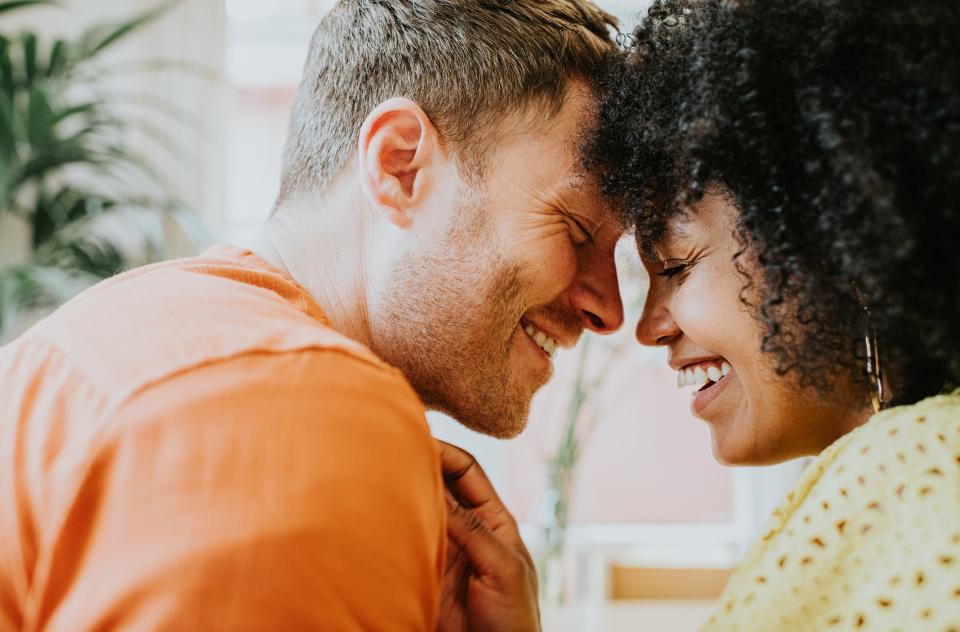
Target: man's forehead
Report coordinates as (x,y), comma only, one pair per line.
(582,188)
(549,160)
(564,119)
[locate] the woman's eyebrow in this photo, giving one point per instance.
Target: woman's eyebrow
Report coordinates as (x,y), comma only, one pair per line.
(676,231)
(653,250)
(673,232)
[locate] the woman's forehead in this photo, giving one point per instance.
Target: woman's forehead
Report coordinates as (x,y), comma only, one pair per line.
(676,230)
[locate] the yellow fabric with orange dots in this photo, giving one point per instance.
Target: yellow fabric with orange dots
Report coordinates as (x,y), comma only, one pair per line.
(869,539)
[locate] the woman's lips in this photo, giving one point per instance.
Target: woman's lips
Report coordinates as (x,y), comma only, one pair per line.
(709,392)
(708,376)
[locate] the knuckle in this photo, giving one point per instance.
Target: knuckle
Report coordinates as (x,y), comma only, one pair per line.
(472,521)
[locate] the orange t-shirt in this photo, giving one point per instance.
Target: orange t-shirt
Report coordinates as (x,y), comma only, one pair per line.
(189,446)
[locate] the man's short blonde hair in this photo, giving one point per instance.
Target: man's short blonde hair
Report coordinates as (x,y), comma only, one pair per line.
(465,62)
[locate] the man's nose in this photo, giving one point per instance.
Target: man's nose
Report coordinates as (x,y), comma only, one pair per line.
(596,292)
(656,327)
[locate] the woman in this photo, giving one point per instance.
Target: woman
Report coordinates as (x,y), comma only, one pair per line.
(793,168)
(793,171)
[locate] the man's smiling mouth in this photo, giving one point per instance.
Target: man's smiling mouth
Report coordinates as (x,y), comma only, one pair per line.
(542,340)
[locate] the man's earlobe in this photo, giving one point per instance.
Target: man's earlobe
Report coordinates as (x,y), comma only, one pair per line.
(396,142)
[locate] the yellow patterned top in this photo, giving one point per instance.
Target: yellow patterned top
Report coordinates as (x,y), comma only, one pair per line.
(869,539)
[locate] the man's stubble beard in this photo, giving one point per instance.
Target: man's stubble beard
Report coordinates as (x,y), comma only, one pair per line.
(447,321)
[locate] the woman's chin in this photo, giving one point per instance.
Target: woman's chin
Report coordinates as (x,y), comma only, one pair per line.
(729,455)
(735,442)
(733,456)
(736,451)
(727,419)
(737,433)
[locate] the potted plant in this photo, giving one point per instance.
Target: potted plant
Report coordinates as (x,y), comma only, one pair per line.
(88,202)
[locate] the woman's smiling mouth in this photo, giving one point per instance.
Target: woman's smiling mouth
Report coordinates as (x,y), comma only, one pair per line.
(703,374)
(709,378)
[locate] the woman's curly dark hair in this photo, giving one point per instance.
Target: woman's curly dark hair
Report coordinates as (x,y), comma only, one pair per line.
(835,126)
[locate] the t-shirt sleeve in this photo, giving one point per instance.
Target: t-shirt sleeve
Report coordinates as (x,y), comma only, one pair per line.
(291,491)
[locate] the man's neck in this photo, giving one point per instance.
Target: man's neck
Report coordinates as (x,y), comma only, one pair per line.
(321,246)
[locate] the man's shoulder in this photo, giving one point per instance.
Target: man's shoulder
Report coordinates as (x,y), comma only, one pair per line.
(152,323)
(327,388)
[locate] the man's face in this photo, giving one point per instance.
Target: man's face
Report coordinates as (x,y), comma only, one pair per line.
(516,267)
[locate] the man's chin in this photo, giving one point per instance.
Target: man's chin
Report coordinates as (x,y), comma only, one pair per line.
(504,423)
(492,402)
(498,430)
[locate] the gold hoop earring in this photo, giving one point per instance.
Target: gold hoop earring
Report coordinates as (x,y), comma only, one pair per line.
(873,366)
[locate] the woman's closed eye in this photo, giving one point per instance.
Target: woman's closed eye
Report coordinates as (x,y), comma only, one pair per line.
(673,267)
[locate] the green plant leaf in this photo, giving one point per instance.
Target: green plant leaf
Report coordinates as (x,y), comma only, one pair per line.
(6,69)
(59,58)
(86,254)
(88,108)
(7,136)
(8,152)
(51,213)
(10,5)
(123,157)
(145,100)
(115,67)
(32,287)
(159,136)
(60,155)
(29,45)
(101,36)
(41,120)
(68,169)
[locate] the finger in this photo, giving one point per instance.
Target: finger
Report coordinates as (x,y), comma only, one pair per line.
(464,476)
(490,557)
(469,484)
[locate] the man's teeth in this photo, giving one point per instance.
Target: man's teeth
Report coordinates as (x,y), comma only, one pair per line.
(701,374)
(545,342)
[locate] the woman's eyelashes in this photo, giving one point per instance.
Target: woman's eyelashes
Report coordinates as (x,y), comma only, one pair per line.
(673,268)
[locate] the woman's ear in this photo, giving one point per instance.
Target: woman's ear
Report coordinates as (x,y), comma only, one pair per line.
(397,144)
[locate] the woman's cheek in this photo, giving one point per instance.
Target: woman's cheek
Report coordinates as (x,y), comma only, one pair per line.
(699,314)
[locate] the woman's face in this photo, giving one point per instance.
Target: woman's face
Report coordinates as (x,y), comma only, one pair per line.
(714,341)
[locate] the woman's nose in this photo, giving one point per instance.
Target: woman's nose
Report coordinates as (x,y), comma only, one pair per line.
(656,326)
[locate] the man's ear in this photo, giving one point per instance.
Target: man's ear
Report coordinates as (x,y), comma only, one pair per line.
(397,140)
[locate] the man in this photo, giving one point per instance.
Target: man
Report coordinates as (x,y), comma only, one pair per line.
(225,442)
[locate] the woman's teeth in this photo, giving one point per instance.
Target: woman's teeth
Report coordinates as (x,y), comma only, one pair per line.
(545,342)
(699,375)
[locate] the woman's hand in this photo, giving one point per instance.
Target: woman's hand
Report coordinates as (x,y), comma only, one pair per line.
(490,583)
